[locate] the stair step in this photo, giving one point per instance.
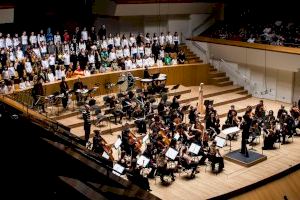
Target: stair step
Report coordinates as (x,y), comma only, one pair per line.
(225,83)
(220,79)
(243,92)
(215,73)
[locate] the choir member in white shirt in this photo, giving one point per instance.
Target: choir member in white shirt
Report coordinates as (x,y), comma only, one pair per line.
(36,50)
(84,34)
(8,41)
(45,63)
(51,76)
(151,61)
(159,62)
(176,40)
(32,39)
(91,59)
(141,51)
(104,44)
(126,52)
(16,40)
(51,60)
(66,59)
(133,51)
(110,42)
(162,52)
(2,41)
(139,62)
(66,46)
(11,72)
(132,40)
(119,53)
(58,73)
(124,41)
(27,82)
(10,87)
(24,41)
(41,37)
(128,63)
(162,39)
(112,55)
(5,74)
(81,45)
(148,50)
(133,65)
(22,84)
(57,38)
(169,38)
(12,56)
(147,39)
(174,61)
(28,67)
(19,54)
(117,40)
(43,48)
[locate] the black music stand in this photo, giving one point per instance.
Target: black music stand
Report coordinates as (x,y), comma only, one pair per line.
(175,87)
(178,96)
(109,113)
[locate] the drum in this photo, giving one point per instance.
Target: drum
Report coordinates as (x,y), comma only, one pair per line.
(146,82)
(161,80)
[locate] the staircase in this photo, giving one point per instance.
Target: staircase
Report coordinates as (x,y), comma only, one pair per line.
(190,56)
(218,78)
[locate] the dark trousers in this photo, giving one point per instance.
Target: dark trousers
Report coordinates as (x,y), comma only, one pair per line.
(64,102)
(245,136)
(87,131)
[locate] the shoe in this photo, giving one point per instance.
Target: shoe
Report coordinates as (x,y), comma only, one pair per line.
(173,178)
(149,190)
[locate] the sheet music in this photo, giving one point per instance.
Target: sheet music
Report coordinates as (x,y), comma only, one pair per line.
(220,141)
(105,155)
(118,143)
(194,148)
(230,130)
(143,161)
(176,136)
(145,138)
(171,153)
(118,169)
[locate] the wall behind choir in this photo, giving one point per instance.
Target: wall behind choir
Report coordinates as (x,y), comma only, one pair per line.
(296,86)
(7,15)
(183,24)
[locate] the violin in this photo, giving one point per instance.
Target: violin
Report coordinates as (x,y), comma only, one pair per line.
(166,140)
(133,140)
(107,148)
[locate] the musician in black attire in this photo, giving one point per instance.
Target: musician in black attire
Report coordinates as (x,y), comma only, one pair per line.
(97,147)
(78,86)
(193,115)
(270,119)
(64,89)
(281,111)
(38,91)
(175,104)
(213,123)
(86,122)
(126,104)
(287,128)
(125,139)
(161,107)
(146,73)
(245,133)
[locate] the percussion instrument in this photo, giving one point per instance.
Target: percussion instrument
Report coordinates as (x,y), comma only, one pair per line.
(146,82)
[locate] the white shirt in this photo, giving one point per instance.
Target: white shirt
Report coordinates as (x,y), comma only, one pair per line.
(37,52)
(5,74)
(159,63)
(58,74)
(22,85)
(51,60)
(66,59)
(162,40)
(104,44)
(141,49)
(4,90)
(20,54)
(9,42)
(24,39)
(148,51)
(112,56)
(27,83)
(51,77)
(174,61)
(169,39)
(87,72)
(133,50)
(119,53)
(131,41)
(43,49)
(41,38)
(11,71)
(16,41)
(57,39)
(82,46)
(176,39)
(117,41)
(45,64)
(2,43)
(84,35)
(147,40)
(91,59)
(128,64)
(110,41)
(251,40)
(12,56)
(162,53)
(126,52)
(33,39)
(150,61)
(28,67)
(124,42)
(139,62)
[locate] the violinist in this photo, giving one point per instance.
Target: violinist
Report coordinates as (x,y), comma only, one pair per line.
(189,162)
(281,111)
(270,119)
(175,104)
(98,143)
(161,108)
(136,176)
(260,110)
(162,168)
(117,110)
(270,137)
(254,131)
(295,112)
(156,125)
(125,139)
(192,115)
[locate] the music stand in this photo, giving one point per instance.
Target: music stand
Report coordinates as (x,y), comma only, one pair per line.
(194,148)
(41,100)
(221,142)
(178,96)
(175,87)
(118,169)
(108,112)
(143,161)
(171,153)
(118,143)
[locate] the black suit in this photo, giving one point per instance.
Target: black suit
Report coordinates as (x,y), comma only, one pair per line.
(64,90)
(245,133)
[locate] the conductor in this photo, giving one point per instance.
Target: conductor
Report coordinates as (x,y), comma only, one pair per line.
(38,91)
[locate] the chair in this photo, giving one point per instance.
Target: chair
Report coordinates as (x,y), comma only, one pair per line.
(210,163)
(185,167)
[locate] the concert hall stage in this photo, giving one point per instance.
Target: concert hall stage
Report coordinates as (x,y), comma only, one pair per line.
(240,159)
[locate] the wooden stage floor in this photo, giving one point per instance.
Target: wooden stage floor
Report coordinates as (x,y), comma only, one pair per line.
(206,184)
